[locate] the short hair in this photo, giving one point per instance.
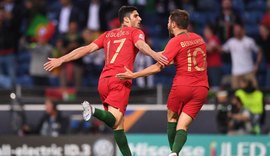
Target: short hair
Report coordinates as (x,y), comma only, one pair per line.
(180,17)
(125,11)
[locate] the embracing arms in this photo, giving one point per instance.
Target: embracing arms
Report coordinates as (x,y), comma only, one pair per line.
(145,48)
(153,69)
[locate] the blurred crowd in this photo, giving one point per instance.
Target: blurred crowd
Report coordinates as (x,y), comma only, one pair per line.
(242,111)
(32,31)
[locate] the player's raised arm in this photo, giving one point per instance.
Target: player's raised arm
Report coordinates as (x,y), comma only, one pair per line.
(145,48)
(75,54)
(155,68)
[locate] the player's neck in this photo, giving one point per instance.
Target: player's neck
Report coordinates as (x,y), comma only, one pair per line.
(180,31)
(125,25)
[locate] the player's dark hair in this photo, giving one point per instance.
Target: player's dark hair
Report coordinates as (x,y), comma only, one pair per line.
(180,17)
(125,11)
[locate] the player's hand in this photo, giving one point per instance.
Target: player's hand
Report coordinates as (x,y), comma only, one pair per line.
(126,75)
(52,63)
(161,58)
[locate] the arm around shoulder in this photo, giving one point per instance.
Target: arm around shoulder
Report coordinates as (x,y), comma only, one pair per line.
(153,69)
(146,49)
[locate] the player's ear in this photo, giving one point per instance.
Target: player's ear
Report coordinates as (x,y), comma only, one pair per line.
(173,24)
(126,19)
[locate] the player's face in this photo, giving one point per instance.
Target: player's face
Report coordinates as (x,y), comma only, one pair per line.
(170,29)
(135,19)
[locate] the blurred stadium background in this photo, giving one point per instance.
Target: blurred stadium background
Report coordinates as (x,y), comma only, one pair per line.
(33,30)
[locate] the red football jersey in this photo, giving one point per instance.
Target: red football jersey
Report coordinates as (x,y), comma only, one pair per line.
(119,48)
(188,51)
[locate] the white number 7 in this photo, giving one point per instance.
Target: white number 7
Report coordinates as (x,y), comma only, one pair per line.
(121,41)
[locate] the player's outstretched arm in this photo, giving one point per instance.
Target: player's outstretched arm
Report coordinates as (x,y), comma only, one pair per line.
(145,48)
(155,68)
(75,54)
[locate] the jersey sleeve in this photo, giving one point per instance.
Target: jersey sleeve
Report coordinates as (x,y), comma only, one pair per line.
(137,35)
(99,41)
(171,50)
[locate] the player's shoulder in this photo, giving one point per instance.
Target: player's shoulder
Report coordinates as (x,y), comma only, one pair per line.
(132,29)
(104,33)
(113,30)
(194,35)
(136,32)
(175,39)
(186,37)
(196,38)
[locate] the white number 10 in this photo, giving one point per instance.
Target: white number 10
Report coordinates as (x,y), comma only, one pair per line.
(192,58)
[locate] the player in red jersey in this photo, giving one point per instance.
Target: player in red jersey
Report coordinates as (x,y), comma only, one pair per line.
(120,47)
(190,85)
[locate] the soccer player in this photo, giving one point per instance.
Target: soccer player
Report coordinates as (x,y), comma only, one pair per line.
(120,47)
(190,85)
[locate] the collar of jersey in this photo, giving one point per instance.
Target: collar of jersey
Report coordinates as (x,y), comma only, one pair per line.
(183,32)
